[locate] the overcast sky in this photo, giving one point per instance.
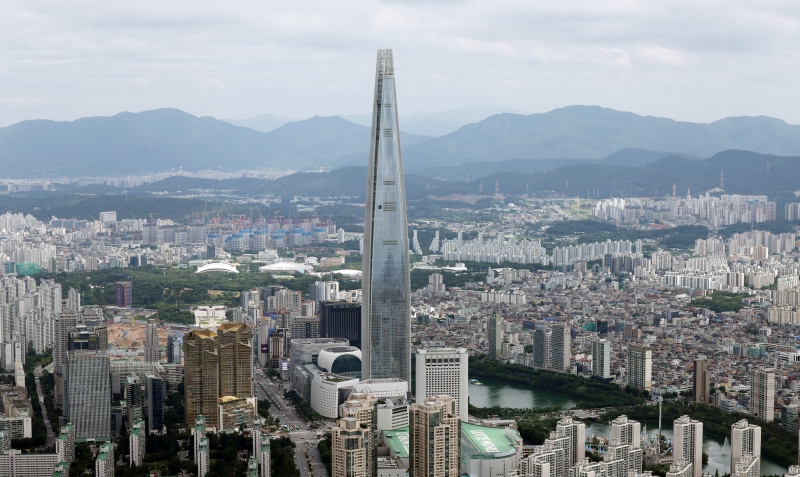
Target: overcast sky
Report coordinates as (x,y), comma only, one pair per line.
(688,60)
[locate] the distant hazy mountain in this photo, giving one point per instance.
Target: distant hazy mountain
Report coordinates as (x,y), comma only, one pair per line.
(745,173)
(592,132)
(168,139)
(476,170)
(439,123)
(263,123)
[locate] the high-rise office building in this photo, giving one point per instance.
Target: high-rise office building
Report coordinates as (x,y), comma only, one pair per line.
(745,449)
(702,380)
(601,358)
(306,327)
(88,394)
(154,386)
(65,323)
(339,319)
(386,292)
(443,371)
(174,345)
(762,393)
(434,438)
(124,294)
(687,443)
(640,366)
(495,333)
(134,397)
(201,377)
(235,360)
(152,350)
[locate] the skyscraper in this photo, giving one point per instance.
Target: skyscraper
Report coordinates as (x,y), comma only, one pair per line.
(762,393)
(640,366)
(88,389)
(350,452)
(201,382)
(174,343)
(152,350)
(235,360)
(601,358)
(443,371)
(562,349)
(702,380)
(155,402)
(124,294)
(65,322)
(340,319)
(746,447)
(386,298)
(495,336)
(434,438)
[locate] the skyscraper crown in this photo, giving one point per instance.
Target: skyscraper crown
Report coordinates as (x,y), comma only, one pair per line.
(385,62)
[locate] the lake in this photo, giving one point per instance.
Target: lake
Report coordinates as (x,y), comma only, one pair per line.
(494,393)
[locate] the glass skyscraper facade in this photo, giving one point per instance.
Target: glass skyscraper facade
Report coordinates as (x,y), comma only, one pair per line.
(386,296)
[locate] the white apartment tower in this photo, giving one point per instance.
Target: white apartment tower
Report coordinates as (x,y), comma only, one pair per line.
(762,393)
(625,431)
(688,443)
(601,358)
(576,431)
(443,371)
(562,350)
(745,448)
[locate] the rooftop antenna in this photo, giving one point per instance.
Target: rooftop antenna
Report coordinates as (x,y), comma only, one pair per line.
(721,180)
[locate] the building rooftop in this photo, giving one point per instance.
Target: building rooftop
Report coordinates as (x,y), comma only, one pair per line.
(488,440)
(398,441)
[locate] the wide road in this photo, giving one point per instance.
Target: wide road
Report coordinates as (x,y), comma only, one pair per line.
(51,436)
(305,439)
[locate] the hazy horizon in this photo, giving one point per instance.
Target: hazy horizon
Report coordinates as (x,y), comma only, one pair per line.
(677,59)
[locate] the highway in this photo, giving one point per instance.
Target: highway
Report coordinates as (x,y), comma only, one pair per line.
(305,439)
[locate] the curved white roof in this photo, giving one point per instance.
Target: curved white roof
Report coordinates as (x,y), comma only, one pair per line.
(328,355)
(217,267)
(286,267)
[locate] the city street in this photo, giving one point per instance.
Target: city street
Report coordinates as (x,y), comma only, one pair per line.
(51,437)
(305,438)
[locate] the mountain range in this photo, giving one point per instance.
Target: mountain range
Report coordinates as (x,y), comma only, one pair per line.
(169,139)
(166,139)
(592,132)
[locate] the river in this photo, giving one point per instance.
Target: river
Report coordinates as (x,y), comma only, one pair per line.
(494,393)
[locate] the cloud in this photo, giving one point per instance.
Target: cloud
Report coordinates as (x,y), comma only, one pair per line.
(677,58)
